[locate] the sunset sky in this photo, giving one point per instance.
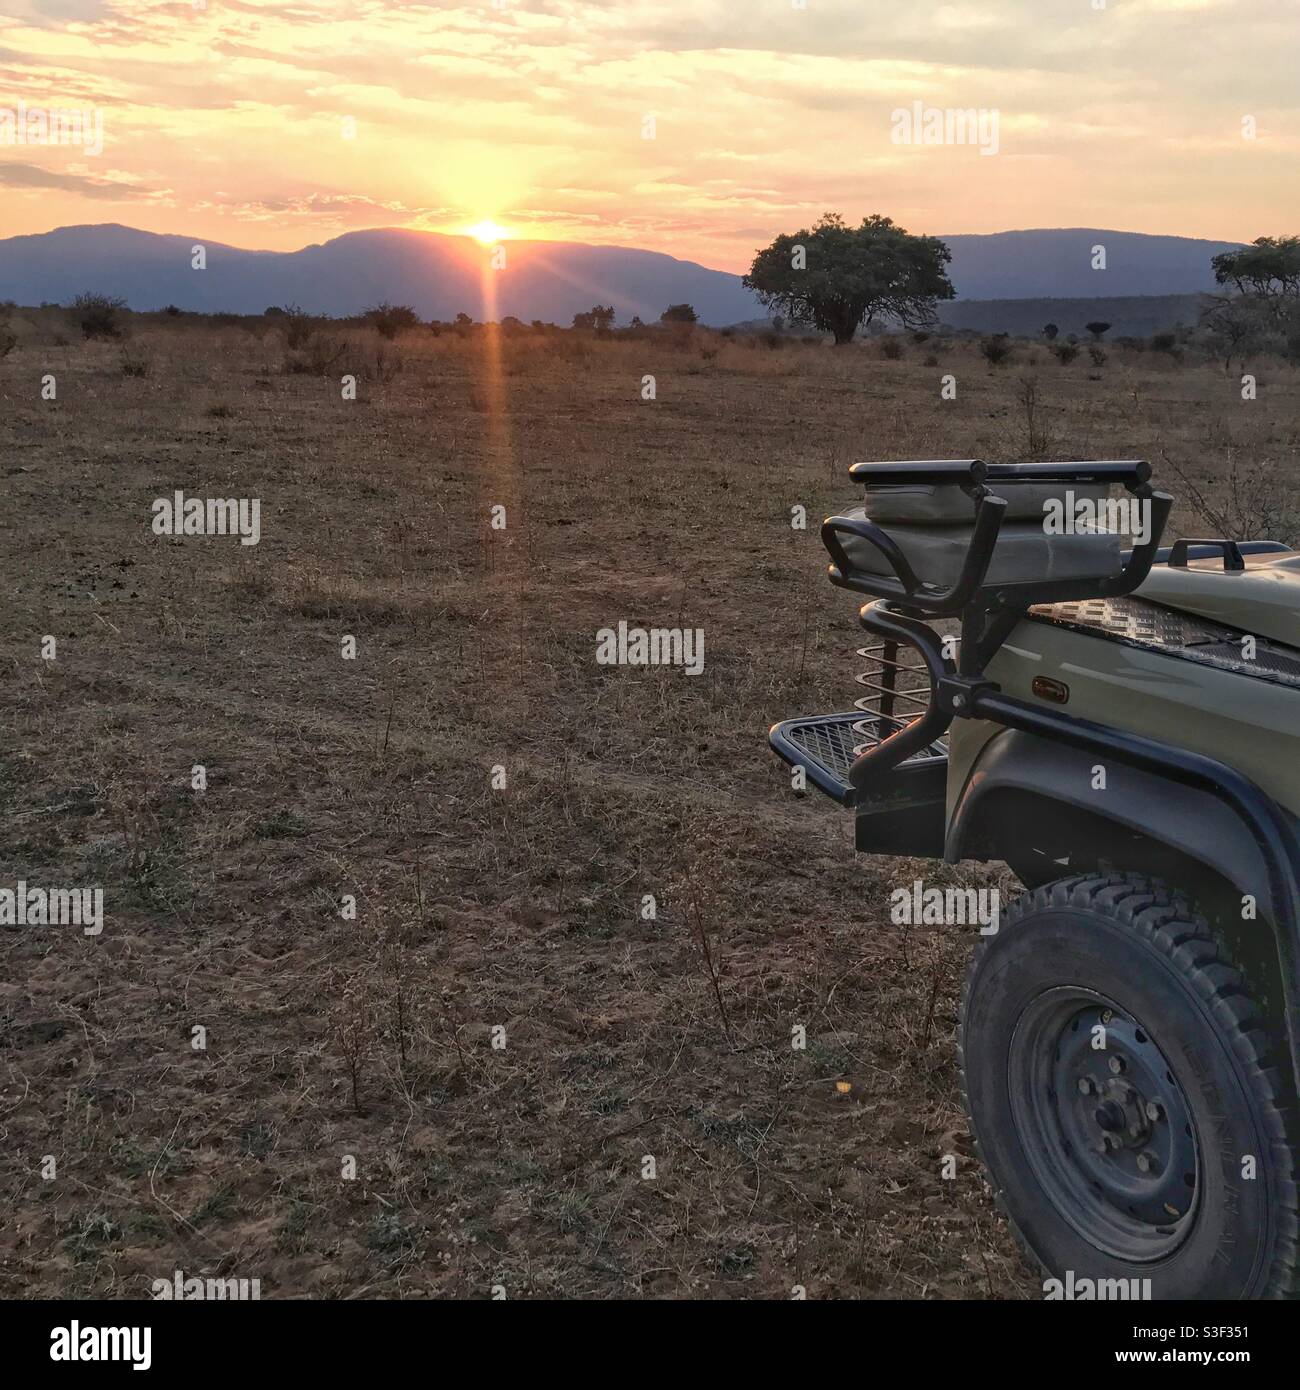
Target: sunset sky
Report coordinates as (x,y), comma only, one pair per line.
(228,119)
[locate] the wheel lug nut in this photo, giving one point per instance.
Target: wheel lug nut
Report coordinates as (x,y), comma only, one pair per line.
(1145,1161)
(1087,1086)
(1155,1111)
(1109,1143)
(1116,1064)
(1135,1131)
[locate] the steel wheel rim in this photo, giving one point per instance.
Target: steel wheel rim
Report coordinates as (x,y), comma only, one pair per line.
(1108,1132)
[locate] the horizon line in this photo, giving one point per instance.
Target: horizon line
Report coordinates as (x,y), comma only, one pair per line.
(552,241)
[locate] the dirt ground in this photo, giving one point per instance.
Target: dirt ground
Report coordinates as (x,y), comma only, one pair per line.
(501,1073)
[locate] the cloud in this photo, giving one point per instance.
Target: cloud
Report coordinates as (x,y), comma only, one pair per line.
(765,114)
(116,187)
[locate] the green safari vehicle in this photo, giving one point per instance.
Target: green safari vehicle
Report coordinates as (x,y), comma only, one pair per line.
(1122,728)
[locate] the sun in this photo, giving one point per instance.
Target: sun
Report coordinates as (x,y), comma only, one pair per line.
(487,232)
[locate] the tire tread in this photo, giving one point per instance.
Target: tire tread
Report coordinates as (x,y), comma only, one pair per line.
(1169,922)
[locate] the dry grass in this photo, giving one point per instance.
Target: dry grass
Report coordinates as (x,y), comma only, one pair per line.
(520,909)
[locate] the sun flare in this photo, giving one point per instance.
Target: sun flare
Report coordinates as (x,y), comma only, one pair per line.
(487,232)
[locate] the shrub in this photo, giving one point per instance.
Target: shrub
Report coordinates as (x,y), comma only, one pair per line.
(134,363)
(97,315)
(1039,438)
(1164,342)
(891,348)
(319,356)
(391,319)
(996,350)
(1097,353)
(1065,353)
(299,328)
(387,365)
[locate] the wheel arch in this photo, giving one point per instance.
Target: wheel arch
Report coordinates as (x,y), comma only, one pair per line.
(1024,793)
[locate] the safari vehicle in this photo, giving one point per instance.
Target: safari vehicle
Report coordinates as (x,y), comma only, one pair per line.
(1122,728)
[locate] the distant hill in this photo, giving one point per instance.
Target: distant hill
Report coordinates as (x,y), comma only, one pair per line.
(1057,264)
(441,276)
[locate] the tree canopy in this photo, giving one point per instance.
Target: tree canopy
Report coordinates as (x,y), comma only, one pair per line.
(836,277)
(599,318)
(1269,267)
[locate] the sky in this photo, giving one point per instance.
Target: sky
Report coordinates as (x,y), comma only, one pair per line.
(702,128)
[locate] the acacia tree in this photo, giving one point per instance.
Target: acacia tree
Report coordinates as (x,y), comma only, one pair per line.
(1268,268)
(836,277)
(1265,310)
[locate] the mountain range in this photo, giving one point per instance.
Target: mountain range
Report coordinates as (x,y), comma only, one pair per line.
(441,276)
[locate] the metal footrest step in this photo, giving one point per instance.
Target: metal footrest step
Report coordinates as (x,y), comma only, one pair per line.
(826,745)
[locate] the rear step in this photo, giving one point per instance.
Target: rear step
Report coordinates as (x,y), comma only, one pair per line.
(825,745)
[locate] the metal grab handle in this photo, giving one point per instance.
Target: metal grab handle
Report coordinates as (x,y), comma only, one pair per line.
(834,526)
(989,512)
(937,472)
(1231,554)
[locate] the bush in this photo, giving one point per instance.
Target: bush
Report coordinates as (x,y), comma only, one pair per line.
(891,348)
(387,364)
(299,328)
(319,356)
(391,319)
(97,315)
(1164,342)
(1065,353)
(1098,354)
(134,363)
(996,349)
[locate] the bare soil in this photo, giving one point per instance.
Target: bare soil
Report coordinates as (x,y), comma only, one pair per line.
(514,1158)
